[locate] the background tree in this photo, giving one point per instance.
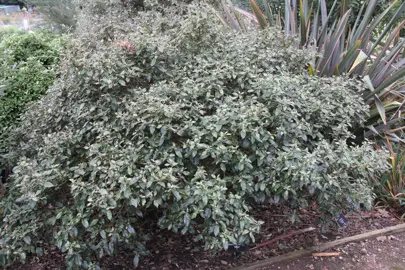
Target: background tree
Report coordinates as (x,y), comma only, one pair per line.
(11,2)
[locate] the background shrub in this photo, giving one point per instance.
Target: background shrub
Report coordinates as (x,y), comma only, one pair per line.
(11,2)
(60,14)
(27,67)
(170,118)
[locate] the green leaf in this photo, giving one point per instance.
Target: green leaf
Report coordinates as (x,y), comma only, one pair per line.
(136,261)
(223,167)
(276,198)
(186,220)
(178,153)
(27,240)
(262,186)
(139,213)
(380,109)
(23,256)
(216,230)
(176,194)
(131,230)
(152,129)
(39,251)
(93,222)
(109,214)
(52,221)
(243,185)
(75,232)
(134,202)
(85,223)
(48,185)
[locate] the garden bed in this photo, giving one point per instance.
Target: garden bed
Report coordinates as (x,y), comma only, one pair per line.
(168,128)
(174,251)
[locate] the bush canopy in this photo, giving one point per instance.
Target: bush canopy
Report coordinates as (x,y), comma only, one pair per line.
(171,118)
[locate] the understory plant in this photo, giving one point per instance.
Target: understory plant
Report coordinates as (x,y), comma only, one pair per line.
(391,189)
(171,119)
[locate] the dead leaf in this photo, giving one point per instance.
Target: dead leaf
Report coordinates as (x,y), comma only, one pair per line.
(383,213)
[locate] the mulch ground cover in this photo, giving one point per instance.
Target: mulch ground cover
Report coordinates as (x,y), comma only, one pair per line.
(174,251)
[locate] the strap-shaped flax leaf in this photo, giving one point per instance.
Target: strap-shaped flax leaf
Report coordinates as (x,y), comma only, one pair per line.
(361,57)
(344,7)
(287,13)
(324,33)
(227,18)
(294,15)
(239,18)
(387,70)
(387,107)
(398,13)
(397,75)
(381,128)
(305,15)
(380,108)
(268,12)
(324,13)
(315,26)
(358,34)
(373,69)
(356,23)
(349,55)
(334,43)
(258,13)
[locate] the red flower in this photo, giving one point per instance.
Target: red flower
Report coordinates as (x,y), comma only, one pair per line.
(126,45)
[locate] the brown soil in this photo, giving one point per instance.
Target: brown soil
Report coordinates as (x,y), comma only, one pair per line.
(173,251)
(383,253)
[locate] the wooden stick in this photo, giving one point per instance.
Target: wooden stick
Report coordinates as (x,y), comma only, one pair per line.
(269,242)
(265,264)
(326,254)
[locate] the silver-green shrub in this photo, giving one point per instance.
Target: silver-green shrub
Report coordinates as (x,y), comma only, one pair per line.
(170,118)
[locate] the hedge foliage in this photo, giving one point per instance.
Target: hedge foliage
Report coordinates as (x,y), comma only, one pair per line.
(27,69)
(170,118)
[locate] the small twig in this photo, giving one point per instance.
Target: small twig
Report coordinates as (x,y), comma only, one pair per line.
(395,216)
(266,243)
(326,254)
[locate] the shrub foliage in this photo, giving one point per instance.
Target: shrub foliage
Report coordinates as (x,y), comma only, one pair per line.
(27,69)
(172,119)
